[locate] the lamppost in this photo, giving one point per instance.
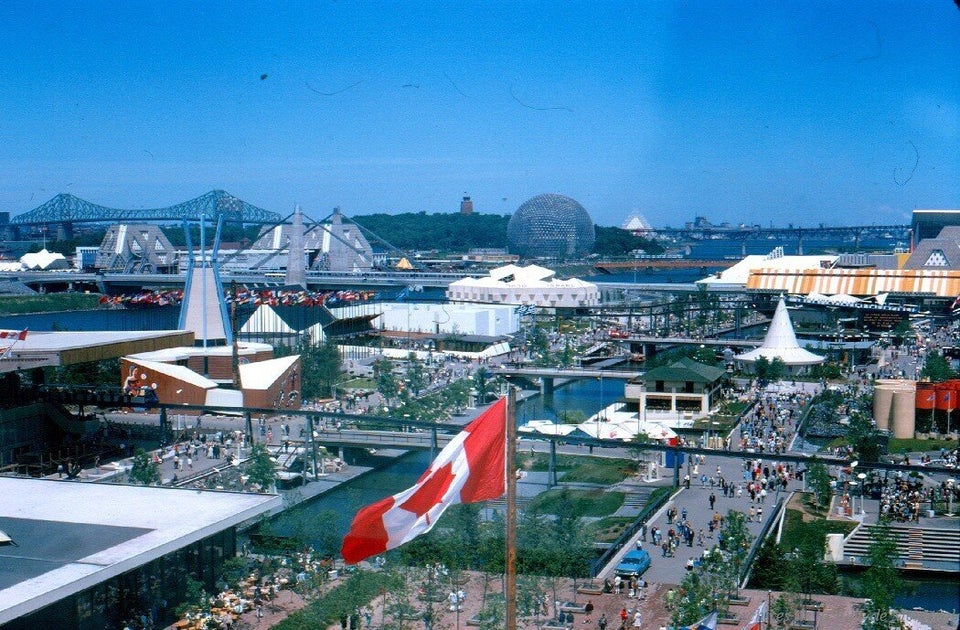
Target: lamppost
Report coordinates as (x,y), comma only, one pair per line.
(862,477)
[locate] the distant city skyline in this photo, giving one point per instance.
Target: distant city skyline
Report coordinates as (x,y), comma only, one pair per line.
(739,111)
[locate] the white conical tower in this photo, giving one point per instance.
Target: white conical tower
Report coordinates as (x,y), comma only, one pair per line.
(781,342)
(203,310)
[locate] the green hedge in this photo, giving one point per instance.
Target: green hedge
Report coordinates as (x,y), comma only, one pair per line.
(48,303)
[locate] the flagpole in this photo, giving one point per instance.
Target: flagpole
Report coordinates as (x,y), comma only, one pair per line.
(510,574)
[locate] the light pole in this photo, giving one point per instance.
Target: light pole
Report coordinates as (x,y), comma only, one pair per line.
(862,477)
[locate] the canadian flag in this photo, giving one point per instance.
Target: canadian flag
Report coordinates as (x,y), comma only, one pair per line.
(757,619)
(19,335)
(707,623)
(470,468)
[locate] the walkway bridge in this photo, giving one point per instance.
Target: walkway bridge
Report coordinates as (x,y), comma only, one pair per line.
(548,375)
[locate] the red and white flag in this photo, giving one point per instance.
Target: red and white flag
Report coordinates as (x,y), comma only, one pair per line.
(470,468)
(19,335)
(757,619)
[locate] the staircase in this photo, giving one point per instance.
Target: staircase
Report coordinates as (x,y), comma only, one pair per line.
(923,548)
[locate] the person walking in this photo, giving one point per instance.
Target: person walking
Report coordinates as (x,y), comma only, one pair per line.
(712,500)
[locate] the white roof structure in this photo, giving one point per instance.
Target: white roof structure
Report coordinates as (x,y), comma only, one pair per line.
(66,348)
(530,285)
(179,372)
(263,374)
(547,427)
(636,222)
(183,353)
(781,342)
(621,426)
(71,536)
(44,260)
(776,260)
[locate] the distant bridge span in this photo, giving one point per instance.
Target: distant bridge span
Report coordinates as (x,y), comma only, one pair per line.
(66,209)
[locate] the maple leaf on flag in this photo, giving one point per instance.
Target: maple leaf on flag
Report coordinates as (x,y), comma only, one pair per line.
(430,493)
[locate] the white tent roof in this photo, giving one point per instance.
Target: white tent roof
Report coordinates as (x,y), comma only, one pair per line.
(513,276)
(547,427)
(781,342)
(43,259)
(740,272)
(263,374)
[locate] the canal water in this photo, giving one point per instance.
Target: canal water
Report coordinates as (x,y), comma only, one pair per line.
(335,510)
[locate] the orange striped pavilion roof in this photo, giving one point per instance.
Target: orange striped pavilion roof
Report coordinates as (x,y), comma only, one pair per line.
(857,282)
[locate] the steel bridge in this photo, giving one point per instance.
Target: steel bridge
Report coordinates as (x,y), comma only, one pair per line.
(66,209)
(743,233)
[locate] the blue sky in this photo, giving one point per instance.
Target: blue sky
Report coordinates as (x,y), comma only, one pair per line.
(761,112)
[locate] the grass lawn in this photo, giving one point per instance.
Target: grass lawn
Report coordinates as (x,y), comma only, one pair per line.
(913,445)
(584,469)
(48,303)
(608,528)
(797,521)
(358,383)
(578,502)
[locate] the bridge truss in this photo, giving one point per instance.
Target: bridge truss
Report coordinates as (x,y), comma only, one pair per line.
(216,204)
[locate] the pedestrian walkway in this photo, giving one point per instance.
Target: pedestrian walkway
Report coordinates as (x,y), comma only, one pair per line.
(695,502)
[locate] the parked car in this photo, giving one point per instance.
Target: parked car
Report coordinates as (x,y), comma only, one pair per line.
(634,563)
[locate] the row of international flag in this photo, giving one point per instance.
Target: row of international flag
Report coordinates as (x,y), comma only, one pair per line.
(174,297)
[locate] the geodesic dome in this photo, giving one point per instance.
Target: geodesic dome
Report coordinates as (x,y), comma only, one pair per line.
(552,226)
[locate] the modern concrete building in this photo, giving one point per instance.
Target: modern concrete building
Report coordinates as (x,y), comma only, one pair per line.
(88,556)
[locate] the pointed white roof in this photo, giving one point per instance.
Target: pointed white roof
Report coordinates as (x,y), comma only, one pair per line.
(781,341)
(263,374)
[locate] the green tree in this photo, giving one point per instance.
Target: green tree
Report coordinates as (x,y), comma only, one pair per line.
(736,542)
(540,345)
(386,380)
(807,572)
(322,369)
(818,480)
(615,241)
(777,369)
(144,471)
(704,355)
(767,572)
(260,469)
(697,597)
(761,368)
(862,434)
(936,368)
(638,447)
(484,384)
(881,582)
(416,374)
(194,597)
(782,612)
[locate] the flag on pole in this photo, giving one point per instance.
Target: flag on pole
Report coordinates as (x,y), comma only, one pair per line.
(19,335)
(707,623)
(470,468)
(757,619)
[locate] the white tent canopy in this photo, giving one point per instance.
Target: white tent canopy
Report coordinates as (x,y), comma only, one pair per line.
(781,343)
